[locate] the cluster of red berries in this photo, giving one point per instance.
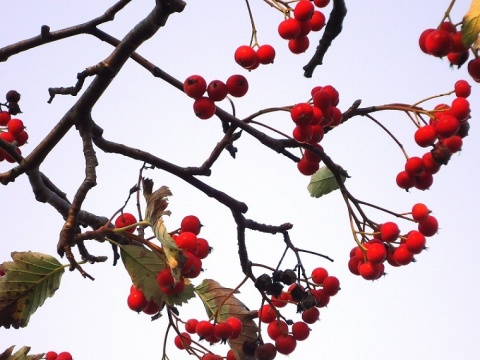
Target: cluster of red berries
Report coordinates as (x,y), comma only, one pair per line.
(311,119)
(249,58)
(444,132)
(306,300)
(137,302)
(52,355)
(204,107)
(447,41)
(222,331)
(305,19)
(389,245)
(12,130)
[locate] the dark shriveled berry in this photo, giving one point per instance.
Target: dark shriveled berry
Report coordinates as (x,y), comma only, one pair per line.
(441,154)
(263,282)
(249,347)
(277,275)
(13,96)
(288,277)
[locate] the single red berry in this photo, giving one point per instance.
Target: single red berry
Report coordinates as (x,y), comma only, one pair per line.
(460,109)
(223,330)
(353,264)
(4,118)
(151,308)
(300,331)
(195,268)
(318,20)
(21,138)
(376,253)
(318,275)
(415,242)
(303,11)
(369,270)
(15,126)
(204,108)
(165,278)
(266,351)
(302,114)
(237,326)
(266,314)
(423,181)
(402,256)
(276,328)
(285,344)
(429,226)
(190,223)
(438,43)
(414,166)
(51,355)
(306,167)
(245,56)
(124,220)
(454,143)
(459,58)
(447,125)
(302,133)
(282,300)
(321,297)
(203,248)
(474,69)
(420,212)
(266,54)
(190,326)
(204,329)
(321,3)
(389,231)
(331,285)
(183,340)
(195,86)
(237,85)
(426,135)
(136,300)
(299,45)
(217,90)
(431,165)
(422,39)
(289,29)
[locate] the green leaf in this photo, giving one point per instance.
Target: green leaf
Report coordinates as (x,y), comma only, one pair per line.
(213,295)
(20,354)
(323,182)
(28,281)
(143,266)
(471,24)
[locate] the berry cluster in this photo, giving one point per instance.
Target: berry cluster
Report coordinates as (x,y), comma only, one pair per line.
(204,107)
(387,244)
(285,334)
(194,248)
(52,355)
(311,120)
(305,19)
(12,130)
(447,127)
(249,58)
(446,40)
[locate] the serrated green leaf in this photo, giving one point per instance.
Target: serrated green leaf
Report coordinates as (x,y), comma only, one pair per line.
(323,182)
(143,266)
(28,281)
(471,24)
(214,295)
(21,354)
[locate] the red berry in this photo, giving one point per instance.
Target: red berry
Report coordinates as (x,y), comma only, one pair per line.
(21,138)
(285,344)
(183,340)
(460,109)
(370,271)
(453,143)
(204,329)
(423,37)
(302,133)
(414,166)
(299,45)
(353,264)
(190,223)
(431,165)
(321,297)
(389,231)
(318,20)
(415,242)
(429,226)
(223,330)
(420,212)
(195,86)
(303,11)
(151,308)
(426,135)
(300,331)
(190,326)
(321,3)
(51,355)
(402,255)
(266,314)
(124,220)
(474,69)
(277,328)
(266,54)
(237,85)
(204,108)
(447,125)
(136,300)
(302,114)
(423,181)
(165,278)
(217,90)
(319,274)
(376,253)
(438,43)
(203,248)
(245,56)
(4,118)
(237,326)
(331,285)
(306,167)
(289,29)
(15,126)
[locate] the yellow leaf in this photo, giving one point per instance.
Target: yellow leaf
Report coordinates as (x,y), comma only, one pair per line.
(471,24)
